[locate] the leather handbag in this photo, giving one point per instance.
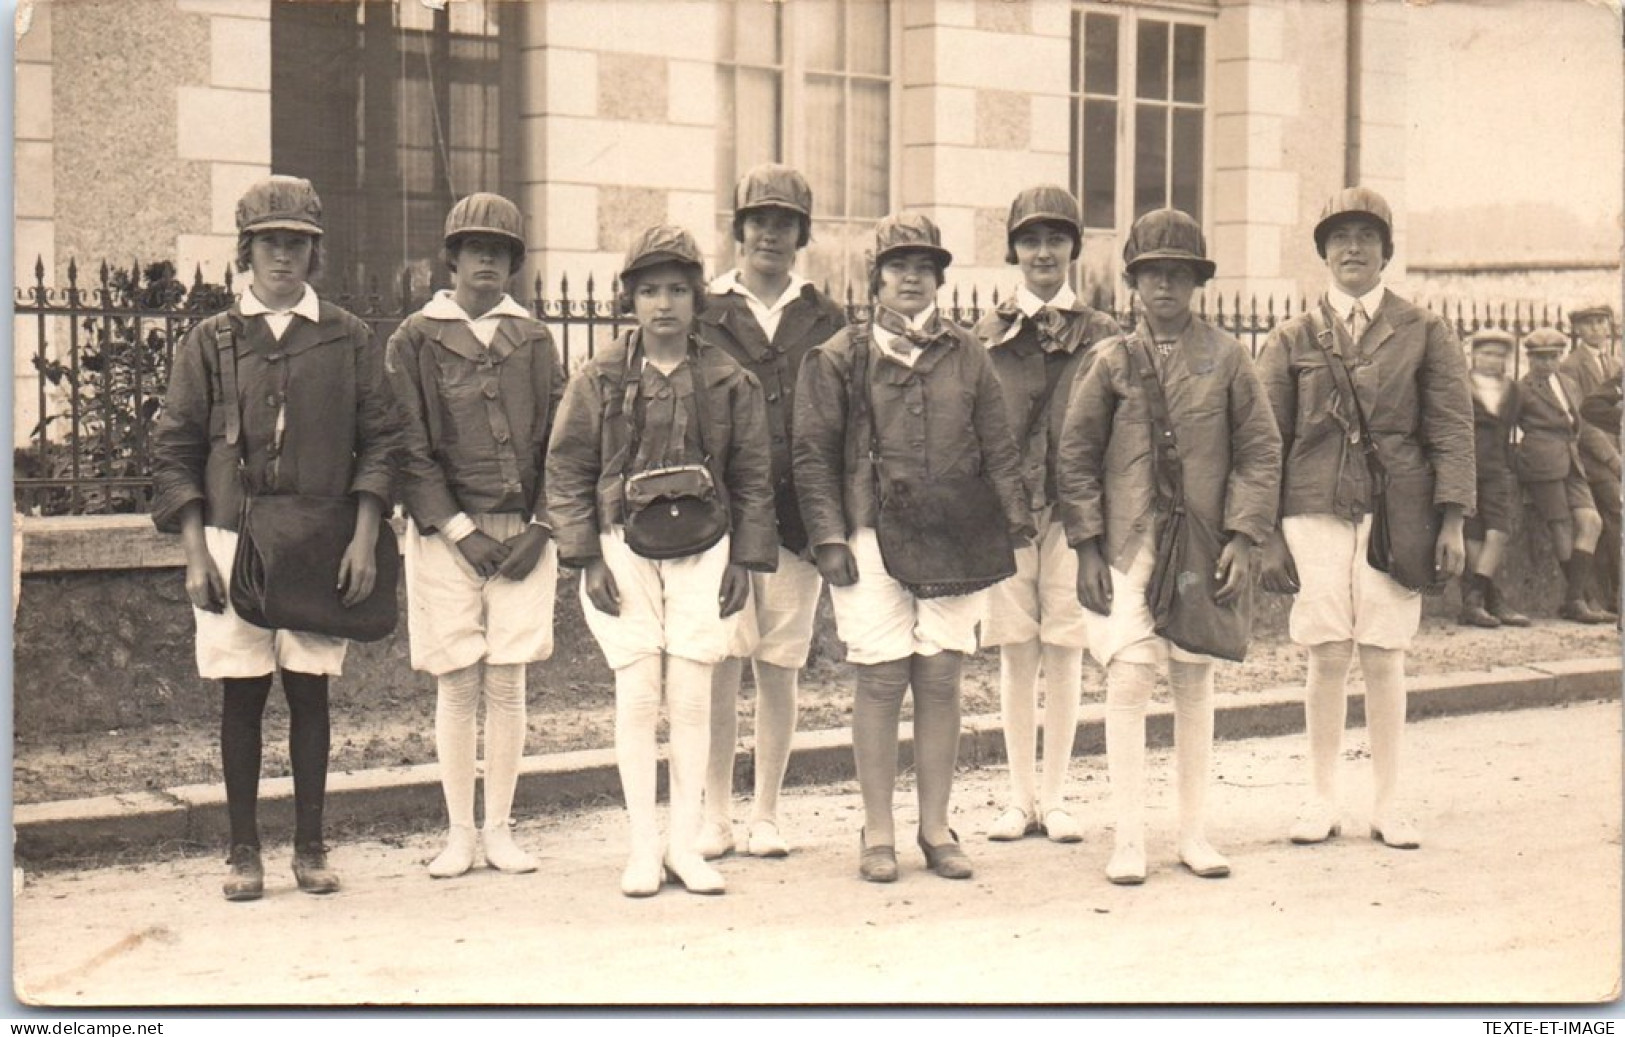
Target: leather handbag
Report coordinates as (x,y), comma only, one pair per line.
(290,546)
(939,536)
(1405,523)
(673,511)
(288,554)
(1180,593)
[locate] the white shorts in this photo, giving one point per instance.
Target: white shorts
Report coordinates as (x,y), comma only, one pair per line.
(455,618)
(1040,602)
(777,625)
(881,620)
(228,646)
(1128,632)
(1341,597)
(667,607)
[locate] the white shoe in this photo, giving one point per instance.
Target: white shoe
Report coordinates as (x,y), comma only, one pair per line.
(696,876)
(1060,827)
(503,855)
(643,874)
(457,857)
(1202,860)
(1127,866)
(1015,823)
(1316,825)
(1401,835)
(765,840)
(716,840)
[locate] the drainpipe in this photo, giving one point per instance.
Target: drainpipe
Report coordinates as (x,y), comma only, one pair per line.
(1354,18)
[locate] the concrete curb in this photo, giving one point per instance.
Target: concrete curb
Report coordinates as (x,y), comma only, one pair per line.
(197,813)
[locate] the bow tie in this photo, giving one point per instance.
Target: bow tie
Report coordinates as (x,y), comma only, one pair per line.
(1049,323)
(908,337)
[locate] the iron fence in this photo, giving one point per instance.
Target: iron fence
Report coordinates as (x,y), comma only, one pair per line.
(102,354)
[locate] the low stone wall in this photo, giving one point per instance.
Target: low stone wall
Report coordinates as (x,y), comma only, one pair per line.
(103,635)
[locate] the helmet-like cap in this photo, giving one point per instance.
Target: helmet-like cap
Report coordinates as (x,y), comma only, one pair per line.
(1492,338)
(1043,204)
(486,213)
(772,186)
(1167,234)
(909,232)
(662,243)
(1545,340)
(280,203)
(1356,203)
(1595,309)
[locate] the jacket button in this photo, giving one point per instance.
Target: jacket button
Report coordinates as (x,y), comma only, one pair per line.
(663,393)
(502,436)
(273,357)
(916,409)
(772,397)
(490,392)
(270,399)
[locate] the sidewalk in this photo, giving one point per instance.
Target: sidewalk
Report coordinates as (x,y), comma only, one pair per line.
(1514,897)
(410,796)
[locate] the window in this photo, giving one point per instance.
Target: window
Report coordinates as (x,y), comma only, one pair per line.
(1139,114)
(809,85)
(393,111)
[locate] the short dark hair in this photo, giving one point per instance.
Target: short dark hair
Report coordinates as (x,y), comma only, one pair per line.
(692,274)
(245,259)
(1201,278)
(937,269)
(1060,225)
(449,250)
(803,235)
(1324,231)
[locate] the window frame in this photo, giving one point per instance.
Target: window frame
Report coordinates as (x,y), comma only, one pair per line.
(791,147)
(1203,15)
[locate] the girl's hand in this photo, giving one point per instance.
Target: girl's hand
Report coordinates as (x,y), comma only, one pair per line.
(1278,574)
(1235,568)
(1094,579)
(601,589)
(735,590)
(486,554)
(204,585)
(1450,550)
(524,551)
(836,565)
(358,571)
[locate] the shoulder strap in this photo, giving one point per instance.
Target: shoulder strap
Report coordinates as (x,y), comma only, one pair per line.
(1053,365)
(1168,471)
(631,387)
(1320,323)
(225,349)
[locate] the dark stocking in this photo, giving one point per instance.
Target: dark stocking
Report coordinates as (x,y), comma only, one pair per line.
(242,710)
(309,738)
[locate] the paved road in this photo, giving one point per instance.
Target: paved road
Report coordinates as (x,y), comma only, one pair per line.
(1515,898)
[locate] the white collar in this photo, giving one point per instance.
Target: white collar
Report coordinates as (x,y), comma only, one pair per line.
(1343,302)
(444,307)
(308,306)
(731,282)
(1030,304)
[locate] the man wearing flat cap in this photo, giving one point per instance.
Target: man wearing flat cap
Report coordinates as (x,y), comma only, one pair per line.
(1590,367)
(1495,418)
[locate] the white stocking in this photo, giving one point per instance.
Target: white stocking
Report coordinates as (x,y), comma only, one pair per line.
(457,696)
(1128,690)
(1325,710)
(775,730)
(719,771)
(1384,671)
(1193,743)
(504,738)
(688,702)
(1018,695)
(637,710)
(1063,684)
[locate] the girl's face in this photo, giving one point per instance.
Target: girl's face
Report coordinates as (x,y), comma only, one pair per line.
(280,260)
(908,283)
(663,301)
(484,263)
(1043,251)
(768,245)
(1165,287)
(1354,256)
(1492,362)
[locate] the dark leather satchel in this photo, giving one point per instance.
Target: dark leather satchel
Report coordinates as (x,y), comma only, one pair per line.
(290,546)
(939,536)
(1180,593)
(1405,523)
(675,511)
(285,574)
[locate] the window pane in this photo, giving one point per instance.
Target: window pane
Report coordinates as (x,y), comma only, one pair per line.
(1100,164)
(1150,157)
(1100,54)
(758,34)
(471,18)
(870,133)
(725,29)
(869,33)
(825,152)
(1188,161)
(818,24)
(1189,67)
(1151,76)
(757,101)
(726,151)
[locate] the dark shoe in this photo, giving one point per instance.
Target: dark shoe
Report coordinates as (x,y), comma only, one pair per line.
(876,863)
(310,870)
(1473,612)
(247,879)
(947,859)
(1575,610)
(1506,614)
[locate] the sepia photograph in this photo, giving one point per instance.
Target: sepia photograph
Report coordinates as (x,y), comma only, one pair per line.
(812,504)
